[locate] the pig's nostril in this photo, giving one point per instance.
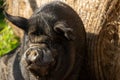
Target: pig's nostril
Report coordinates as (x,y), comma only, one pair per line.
(35,54)
(27,53)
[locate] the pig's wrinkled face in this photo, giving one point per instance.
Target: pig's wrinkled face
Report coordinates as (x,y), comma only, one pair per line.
(46,41)
(40,57)
(42,48)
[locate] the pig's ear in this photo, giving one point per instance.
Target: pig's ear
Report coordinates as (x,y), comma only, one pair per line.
(62,28)
(18,21)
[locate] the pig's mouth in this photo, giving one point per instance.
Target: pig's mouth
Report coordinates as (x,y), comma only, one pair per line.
(39,69)
(39,61)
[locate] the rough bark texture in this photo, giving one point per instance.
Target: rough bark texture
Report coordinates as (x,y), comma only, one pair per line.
(102,21)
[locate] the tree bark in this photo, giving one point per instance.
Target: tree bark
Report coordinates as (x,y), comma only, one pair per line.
(101,19)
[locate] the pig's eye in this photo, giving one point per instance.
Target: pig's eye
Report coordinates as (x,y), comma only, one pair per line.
(36,33)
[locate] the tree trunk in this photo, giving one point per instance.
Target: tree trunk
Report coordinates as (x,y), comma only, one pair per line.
(102,21)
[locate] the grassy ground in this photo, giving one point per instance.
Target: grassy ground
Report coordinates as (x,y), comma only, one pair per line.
(8,40)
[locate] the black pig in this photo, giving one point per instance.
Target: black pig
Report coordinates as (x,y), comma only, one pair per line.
(53,46)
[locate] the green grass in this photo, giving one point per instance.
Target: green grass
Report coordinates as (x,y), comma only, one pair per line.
(8,40)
